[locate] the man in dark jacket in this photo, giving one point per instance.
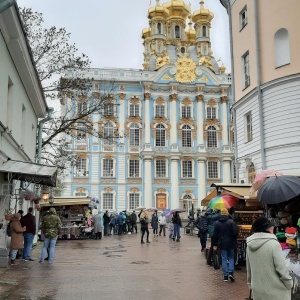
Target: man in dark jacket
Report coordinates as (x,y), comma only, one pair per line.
(212,217)
(133,222)
(106,221)
(29,222)
(225,234)
(201,224)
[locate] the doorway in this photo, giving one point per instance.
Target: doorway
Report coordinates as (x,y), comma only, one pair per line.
(161,201)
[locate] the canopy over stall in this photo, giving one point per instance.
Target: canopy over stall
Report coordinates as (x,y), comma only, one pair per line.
(30,172)
(63,201)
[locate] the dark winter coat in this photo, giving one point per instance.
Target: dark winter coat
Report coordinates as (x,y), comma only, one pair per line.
(225,233)
(201,224)
(177,220)
(16,234)
(29,221)
(143,215)
(154,222)
(211,219)
(106,219)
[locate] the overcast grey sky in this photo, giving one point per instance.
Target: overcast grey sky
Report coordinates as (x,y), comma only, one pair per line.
(109,31)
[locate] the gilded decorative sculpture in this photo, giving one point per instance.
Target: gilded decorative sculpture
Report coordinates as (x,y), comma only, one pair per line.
(185,70)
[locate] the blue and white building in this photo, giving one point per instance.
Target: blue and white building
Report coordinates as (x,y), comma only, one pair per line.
(173,118)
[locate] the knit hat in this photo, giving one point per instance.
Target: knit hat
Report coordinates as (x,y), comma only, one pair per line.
(261,224)
(291,243)
(290,230)
(224,212)
(280,235)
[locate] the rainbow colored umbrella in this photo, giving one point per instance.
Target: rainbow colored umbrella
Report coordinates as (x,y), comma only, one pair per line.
(222,201)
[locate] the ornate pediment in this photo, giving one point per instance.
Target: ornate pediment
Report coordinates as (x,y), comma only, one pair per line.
(186,101)
(108,190)
(134,190)
(211,102)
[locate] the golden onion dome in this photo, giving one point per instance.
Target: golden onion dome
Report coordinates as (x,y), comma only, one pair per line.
(177,9)
(158,11)
(202,14)
(191,33)
(146,33)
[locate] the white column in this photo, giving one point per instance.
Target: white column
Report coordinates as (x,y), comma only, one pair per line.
(224,121)
(173,119)
(201,180)
(148,182)
(175,182)
(199,119)
(121,117)
(147,117)
(226,170)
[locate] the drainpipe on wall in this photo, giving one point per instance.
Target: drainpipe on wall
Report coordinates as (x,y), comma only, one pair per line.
(259,93)
(142,159)
(40,132)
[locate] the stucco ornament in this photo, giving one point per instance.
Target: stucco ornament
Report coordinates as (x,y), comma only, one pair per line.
(161,61)
(185,70)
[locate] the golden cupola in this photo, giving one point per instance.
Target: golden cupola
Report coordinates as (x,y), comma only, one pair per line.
(146,33)
(190,33)
(202,15)
(158,11)
(177,9)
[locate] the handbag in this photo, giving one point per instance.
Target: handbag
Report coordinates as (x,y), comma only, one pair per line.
(216,259)
(250,296)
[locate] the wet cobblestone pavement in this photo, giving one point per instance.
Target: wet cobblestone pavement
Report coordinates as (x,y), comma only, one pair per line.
(121,268)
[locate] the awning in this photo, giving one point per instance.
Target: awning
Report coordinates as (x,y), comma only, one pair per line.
(30,172)
(63,201)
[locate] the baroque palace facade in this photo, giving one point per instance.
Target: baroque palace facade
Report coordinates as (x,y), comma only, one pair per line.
(173,118)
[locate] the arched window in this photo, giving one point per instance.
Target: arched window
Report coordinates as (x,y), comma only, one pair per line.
(159,28)
(186,136)
(212,137)
(187,197)
(204,31)
(182,50)
(160,136)
(177,32)
(134,135)
(281,47)
(108,133)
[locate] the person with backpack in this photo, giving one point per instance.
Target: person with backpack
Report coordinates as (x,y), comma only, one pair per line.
(225,234)
(202,225)
(133,222)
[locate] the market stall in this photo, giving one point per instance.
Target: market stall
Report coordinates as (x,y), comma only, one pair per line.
(74,214)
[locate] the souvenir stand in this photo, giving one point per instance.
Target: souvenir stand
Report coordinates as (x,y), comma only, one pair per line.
(245,211)
(74,213)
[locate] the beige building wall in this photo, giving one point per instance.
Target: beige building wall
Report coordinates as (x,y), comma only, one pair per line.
(273,15)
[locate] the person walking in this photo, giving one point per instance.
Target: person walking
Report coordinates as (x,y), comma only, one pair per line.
(177,224)
(112,224)
(51,225)
(144,225)
(16,241)
(201,224)
(212,217)
(162,221)
(120,221)
(98,225)
(225,235)
(106,221)
(154,223)
(29,222)
(133,222)
(267,274)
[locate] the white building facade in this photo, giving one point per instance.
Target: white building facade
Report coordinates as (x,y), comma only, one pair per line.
(172,118)
(266,86)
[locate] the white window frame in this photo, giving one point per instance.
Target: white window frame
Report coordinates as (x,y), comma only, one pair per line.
(134,200)
(82,107)
(211,112)
(186,140)
(246,70)
(160,135)
(134,110)
(212,169)
(108,109)
(81,134)
(212,138)
(81,169)
(161,168)
(112,197)
(134,135)
(248,127)
(186,111)
(108,167)
(160,111)
(84,193)
(134,168)
(187,167)
(108,129)
(243,16)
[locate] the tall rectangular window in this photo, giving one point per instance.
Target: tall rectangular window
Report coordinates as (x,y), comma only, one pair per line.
(248,121)
(187,169)
(134,201)
(213,169)
(108,109)
(134,168)
(211,112)
(9,111)
(81,167)
(243,18)
(186,112)
(108,168)
(161,170)
(246,71)
(134,110)
(108,201)
(159,111)
(81,108)
(81,133)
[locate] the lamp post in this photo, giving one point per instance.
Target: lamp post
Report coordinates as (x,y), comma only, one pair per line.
(45,193)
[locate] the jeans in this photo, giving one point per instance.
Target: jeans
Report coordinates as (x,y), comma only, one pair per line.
(28,239)
(52,243)
(176,231)
(143,233)
(227,255)
(203,238)
(13,254)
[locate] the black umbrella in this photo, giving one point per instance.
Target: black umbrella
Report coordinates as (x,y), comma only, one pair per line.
(279,189)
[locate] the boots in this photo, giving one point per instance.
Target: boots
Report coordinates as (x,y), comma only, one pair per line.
(142,242)
(14,263)
(100,235)
(148,241)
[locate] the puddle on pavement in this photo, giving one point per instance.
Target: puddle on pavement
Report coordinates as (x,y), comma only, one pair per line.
(140,262)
